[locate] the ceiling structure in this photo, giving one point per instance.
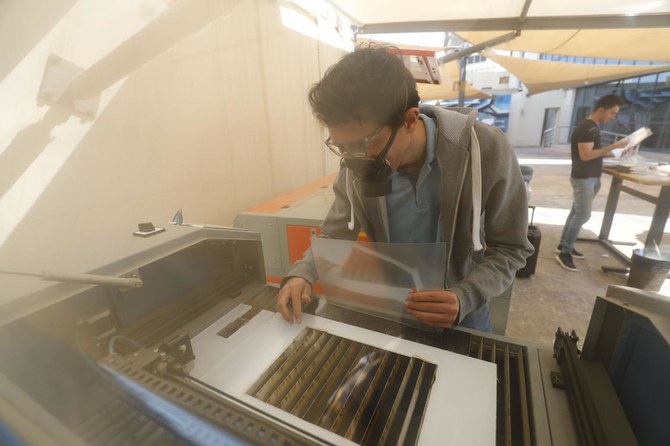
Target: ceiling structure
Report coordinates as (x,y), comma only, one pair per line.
(630,30)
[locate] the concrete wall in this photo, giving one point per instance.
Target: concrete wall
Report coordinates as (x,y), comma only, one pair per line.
(213,123)
(487,76)
(527,115)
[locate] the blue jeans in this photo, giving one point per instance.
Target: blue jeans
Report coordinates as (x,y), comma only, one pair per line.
(584,190)
(479,320)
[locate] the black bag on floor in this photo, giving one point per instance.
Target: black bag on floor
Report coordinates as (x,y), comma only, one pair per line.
(535,237)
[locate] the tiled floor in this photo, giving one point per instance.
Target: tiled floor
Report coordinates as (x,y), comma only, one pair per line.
(555,297)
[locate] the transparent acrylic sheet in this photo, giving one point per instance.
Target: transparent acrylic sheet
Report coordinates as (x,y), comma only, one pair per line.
(375,278)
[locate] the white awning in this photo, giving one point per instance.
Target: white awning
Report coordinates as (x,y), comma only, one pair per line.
(630,44)
(378,16)
(541,75)
(634,30)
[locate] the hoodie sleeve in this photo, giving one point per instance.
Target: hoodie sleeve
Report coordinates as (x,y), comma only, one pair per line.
(335,225)
(504,224)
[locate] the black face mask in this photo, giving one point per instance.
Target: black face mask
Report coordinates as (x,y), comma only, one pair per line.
(373,174)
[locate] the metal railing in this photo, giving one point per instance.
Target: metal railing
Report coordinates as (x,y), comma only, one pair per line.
(607,138)
(557,135)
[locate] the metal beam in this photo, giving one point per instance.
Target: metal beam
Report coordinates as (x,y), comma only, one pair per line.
(461,82)
(477,48)
(527,24)
(524,11)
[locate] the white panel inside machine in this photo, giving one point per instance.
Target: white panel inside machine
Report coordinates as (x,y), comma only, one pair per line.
(461,408)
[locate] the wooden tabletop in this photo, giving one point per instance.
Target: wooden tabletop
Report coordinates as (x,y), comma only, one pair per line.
(649,179)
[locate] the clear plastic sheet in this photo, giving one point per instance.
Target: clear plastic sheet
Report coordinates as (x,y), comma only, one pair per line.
(375,278)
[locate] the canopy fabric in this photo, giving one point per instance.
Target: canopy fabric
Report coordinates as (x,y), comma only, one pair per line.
(632,30)
(428,12)
(540,75)
(652,44)
(448,88)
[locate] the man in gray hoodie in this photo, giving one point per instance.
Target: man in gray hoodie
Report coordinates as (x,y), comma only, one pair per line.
(417,175)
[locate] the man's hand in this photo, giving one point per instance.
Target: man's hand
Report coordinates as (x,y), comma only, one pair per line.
(628,151)
(437,308)
(295,291)
(620,143)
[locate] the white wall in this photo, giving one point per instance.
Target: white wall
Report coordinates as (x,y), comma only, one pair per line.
(565,116)
(213,125)
(527,115)
(489,81)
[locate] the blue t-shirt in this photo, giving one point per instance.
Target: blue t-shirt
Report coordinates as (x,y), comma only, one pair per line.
(414,203)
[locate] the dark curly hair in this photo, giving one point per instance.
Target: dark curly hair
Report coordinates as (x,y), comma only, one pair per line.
(370,83)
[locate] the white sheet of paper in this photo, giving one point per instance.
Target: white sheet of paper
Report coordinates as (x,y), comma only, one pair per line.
(638,136)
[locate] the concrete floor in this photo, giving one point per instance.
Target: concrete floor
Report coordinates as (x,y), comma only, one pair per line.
(555,297)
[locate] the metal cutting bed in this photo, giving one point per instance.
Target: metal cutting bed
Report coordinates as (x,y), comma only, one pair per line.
(363,394)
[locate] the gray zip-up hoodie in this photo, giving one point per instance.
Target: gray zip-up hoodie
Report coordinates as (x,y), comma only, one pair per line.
(475,276)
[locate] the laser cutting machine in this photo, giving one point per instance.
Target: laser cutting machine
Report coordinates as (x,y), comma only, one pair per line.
(197,355)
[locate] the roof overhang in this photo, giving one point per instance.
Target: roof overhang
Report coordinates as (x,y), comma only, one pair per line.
(517,24)
(628,30)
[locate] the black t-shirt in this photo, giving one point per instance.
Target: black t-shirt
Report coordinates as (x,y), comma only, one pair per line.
(586,131)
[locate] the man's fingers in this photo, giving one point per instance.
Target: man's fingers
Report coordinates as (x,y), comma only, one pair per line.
(415,297)
(295,301)
(443,320)
(434,308)
(290,296)
(429,316)
(283,307)
(431,296)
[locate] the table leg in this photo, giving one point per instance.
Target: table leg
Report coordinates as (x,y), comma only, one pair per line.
(610,208)
(661,212)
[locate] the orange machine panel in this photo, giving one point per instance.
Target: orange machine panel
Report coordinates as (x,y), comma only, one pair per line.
(299,240)
(277,204)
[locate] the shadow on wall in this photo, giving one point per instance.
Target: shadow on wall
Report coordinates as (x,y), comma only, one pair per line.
(64,95)
(34,27)
(188,129)
(174,25)
(27,145)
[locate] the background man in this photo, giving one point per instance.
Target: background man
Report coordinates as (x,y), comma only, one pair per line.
(413,175)
(587,165)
